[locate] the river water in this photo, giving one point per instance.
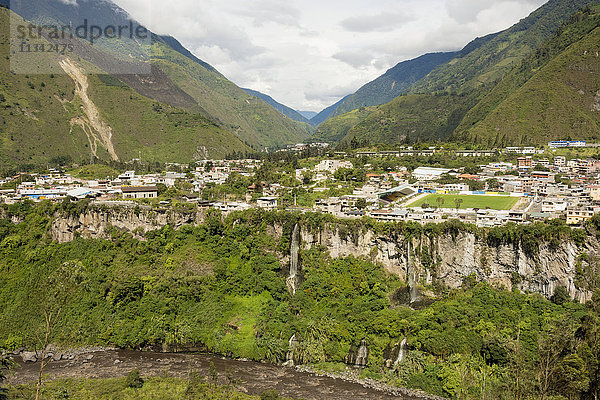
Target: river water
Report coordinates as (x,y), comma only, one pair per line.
(255,377)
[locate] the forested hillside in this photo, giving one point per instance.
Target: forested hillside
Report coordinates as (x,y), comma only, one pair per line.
(221,285)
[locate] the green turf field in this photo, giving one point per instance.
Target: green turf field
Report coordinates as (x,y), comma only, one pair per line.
(473,201)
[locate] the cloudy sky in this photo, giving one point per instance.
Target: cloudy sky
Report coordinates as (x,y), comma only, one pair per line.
(308,54)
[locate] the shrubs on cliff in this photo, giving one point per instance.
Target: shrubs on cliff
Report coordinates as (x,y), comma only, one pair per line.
(530,237)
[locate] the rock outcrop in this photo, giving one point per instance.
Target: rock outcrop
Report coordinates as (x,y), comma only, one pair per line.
(421,261)
(96,222)
(450,259)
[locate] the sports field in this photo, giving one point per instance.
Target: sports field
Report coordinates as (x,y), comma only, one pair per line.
(468,201)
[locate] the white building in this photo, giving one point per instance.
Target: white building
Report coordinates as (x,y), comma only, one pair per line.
(429,173)
(139,192)
(333,165)
(268,203)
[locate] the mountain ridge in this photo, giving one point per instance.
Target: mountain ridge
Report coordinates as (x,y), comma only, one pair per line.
(468,79)
(282,108)
(203,113)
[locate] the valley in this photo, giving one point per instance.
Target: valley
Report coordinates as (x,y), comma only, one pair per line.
(170,229)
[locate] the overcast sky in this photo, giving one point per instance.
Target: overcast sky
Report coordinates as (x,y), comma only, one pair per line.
(308,54)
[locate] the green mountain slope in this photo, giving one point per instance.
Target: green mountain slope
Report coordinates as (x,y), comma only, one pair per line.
(335,129)
(554,94)
(489,63)
(408,118)
(326,113)
(478,71)
(285,110)
(183,109)
(44,116)
(394,82)
(251,119)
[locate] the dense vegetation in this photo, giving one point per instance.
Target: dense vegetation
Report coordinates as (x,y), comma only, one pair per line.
(220,285)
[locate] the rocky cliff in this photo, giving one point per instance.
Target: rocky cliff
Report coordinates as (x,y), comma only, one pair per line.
(446,259)
(422,261)
(95,222)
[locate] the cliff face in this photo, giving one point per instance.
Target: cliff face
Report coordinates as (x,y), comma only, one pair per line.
(448,260)
(443,259)
(94,223)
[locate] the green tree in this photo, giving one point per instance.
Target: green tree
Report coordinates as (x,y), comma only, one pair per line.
(560,296)
(5,365)
(56,292)
(269,395)
(572,376)
(440,201)
(361,204)
(213,373)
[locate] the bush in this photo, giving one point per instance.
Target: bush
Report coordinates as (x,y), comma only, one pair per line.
(269,395)
(134,380)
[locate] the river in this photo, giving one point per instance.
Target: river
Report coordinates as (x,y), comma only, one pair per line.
(255,377)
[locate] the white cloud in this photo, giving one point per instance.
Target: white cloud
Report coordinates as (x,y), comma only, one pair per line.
(309,53)
(382,22)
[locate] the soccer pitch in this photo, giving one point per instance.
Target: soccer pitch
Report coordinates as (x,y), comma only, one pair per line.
(468,201)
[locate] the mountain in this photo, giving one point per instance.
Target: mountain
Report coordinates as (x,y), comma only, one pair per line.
(308,114)
(554,94)
(71,114)
(285,110)
(398,79)
(326,113)
(394,82)
(117,99)
(465,82)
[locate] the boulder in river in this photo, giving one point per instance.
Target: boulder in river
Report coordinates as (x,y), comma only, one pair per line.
(29,356)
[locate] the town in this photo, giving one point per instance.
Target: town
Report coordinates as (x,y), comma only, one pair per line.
(519,185)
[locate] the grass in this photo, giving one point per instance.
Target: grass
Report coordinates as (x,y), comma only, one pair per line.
(165,388)
(95,171)
(469,201)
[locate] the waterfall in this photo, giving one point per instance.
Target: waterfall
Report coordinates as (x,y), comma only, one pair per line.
(289,357)
(362,354)
(411,276)
(402,352)
(292,280)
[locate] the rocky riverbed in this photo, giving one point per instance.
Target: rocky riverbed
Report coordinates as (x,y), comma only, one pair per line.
(253,377)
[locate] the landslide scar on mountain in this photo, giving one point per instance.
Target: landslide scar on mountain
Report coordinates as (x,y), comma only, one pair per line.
(95,128)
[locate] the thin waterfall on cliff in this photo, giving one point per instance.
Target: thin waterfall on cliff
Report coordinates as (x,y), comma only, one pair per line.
(411,276)
(402,352)
(292,280)
(362,354)
(289,357)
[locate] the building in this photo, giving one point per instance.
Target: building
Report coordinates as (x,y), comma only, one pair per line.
(560,161)
(566,143)
(128,175)
(524,162)
(333,165)
(475,153)
(576,216)
(268,203)
(332,205)
(428,173)
(139,192)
